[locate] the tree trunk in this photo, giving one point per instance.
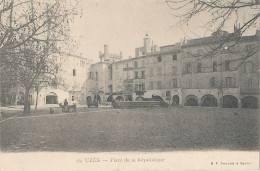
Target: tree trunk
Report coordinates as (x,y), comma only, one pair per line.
(36,103)
(27,105)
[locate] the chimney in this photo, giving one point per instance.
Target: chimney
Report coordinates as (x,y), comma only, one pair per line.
(101,56)
(105,49)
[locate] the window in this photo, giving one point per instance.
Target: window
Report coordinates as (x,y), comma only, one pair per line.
(188,68)
(74,72)
(151,85)
(151,72)
(174,70)
(212,82)
(72,98)
(136,64)
(142,86)
(214,66)
(143,74)
(159,85)
(174,57)
(136,87)
(136,74)
(159,59)
(89,75)
(159,71)
(92,75)
(199,67)
(227,65)
(230,82)
(175,83)
(96,76)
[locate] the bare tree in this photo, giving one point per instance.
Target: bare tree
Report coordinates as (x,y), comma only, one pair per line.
(32,35)
(219,14)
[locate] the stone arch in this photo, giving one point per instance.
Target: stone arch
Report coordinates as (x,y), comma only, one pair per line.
(229,101)
(119,98)
(191,100)
(250,102)
(209,101)
(139,98)
(110,98)
(51,98)
(175,100)
(157,98)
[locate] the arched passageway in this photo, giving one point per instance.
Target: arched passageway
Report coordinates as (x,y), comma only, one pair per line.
(110,98)
(250,102)
(230,101)
(51,98)
(209,101)
(157,98)
(191,101)
(120,98)
(139,98)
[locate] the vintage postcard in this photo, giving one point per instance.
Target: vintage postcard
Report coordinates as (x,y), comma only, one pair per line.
(129,85)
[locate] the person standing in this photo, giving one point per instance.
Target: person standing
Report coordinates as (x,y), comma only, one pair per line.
(66,105)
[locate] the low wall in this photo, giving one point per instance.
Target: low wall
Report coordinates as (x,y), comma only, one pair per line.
(132,104)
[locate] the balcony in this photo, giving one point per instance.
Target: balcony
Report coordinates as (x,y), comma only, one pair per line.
(128,81)
(140,77)
(128,69)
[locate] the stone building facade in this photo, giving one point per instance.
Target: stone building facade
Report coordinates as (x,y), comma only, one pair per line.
(197,72)
(72,72)
(100,77)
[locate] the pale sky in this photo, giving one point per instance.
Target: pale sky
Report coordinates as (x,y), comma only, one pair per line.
(122,24)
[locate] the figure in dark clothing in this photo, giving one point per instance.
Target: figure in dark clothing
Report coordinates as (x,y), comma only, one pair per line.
(66,105)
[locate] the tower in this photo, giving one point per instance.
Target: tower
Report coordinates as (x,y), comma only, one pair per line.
(147,46)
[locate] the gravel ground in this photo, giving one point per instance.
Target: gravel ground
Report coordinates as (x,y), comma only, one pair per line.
(158,129)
